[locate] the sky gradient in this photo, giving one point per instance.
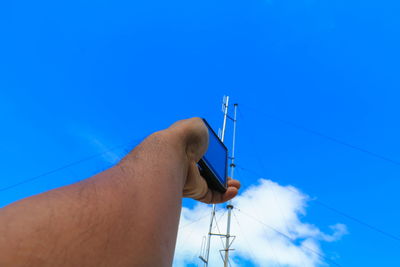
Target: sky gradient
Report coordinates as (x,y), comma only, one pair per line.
(311,78)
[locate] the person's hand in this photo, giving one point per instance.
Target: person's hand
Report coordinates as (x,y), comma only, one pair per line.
(195,134)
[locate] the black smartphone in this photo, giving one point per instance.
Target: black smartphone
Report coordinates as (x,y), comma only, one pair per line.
(213,165)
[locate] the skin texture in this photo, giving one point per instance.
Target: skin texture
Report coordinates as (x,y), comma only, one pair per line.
(127,215)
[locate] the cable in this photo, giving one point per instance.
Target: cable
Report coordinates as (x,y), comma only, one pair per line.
(200,218)
(355,219)
(333,139)
(248,243)
(217,226)
(206,214)
(261,162)
(374,228)
(290,238)
(64,167)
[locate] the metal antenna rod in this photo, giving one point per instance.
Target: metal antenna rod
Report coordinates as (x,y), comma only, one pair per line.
(225,105)
(230,206)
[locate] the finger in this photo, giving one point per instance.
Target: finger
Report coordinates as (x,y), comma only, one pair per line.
(216,197)
(234,183)
(230,193)
(212,197)
(208,197)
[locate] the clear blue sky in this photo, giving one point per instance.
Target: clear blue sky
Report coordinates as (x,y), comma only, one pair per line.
(78,77)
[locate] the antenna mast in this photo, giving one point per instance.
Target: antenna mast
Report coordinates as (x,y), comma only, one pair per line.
(225,105)
(230,206)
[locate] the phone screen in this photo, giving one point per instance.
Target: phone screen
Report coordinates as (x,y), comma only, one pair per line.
(216,156)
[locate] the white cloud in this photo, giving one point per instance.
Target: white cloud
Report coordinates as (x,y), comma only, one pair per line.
(269,228)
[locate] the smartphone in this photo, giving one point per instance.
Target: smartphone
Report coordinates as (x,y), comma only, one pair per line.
(213,165)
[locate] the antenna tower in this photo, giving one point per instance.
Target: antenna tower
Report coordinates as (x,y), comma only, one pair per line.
(227,236)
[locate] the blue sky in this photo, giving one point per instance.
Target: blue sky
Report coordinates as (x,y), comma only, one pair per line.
(81,77)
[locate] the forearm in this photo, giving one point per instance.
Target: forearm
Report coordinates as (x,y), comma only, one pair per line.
(125,216)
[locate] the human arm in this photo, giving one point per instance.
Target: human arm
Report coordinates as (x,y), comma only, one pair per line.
(127,215)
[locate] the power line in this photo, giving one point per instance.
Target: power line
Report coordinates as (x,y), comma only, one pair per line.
(290,238)
(335,210)
(65,166)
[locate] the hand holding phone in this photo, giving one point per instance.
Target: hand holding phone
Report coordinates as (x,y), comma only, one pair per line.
(207,173)
(213,166)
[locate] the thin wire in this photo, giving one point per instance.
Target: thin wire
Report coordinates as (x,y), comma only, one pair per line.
(290,238)
(249,244)
(192,230)
(241,230)
(269,245)
(218,229)
(193,222)
(335,210)
(63,167)
(333,139)
(374,228)
(200,218)
(325,136)
(260,160)
(219,232)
